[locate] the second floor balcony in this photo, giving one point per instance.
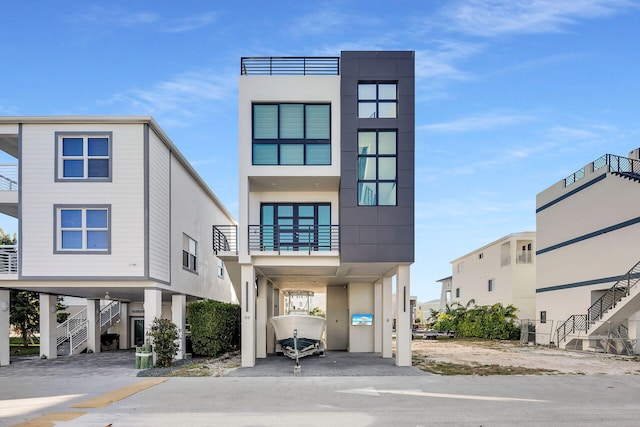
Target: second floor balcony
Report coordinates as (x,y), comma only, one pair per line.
(8,261)
(279,239)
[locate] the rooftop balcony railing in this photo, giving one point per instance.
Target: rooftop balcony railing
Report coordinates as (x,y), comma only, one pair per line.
(619,164)
(8,177)
(290,66)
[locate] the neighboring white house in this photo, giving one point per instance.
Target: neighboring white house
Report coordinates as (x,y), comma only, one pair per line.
(588,228)
(501,272)
(107,208)
(326,203)
(445,292)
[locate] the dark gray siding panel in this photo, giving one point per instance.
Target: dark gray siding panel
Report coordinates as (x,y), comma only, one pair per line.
(372,233)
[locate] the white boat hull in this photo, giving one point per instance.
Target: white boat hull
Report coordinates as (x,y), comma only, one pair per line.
(307,327)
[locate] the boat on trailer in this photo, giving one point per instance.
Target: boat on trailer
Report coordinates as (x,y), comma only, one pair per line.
(299,334)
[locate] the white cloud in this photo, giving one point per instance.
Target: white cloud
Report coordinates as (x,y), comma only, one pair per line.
(481,122)
(490,18)
(114,16)
(191,23)
(180,96)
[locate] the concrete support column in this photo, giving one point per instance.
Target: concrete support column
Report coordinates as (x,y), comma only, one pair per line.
(271,342)
(387,317)
(48,325)
(124,327)
(377,317)
(179,318)
(248,315)
(5,310)
(93,325)
(634,331)
(152,309)
(261,319)
(403,319)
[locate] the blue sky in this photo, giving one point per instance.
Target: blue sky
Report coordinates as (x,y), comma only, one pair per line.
(511,95)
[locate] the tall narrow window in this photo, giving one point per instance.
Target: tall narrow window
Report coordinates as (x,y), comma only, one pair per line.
(83,157)
(377,100)
(490,285)
(377,164)
(82,229)
(291,134)
(189,253)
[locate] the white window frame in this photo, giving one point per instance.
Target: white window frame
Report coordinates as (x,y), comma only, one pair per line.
(190,249)
(60,158)
(58,229)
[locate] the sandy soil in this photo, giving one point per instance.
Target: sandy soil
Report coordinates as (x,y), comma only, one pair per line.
(535,357)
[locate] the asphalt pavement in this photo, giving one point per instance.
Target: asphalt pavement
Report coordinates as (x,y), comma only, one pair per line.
(30,390)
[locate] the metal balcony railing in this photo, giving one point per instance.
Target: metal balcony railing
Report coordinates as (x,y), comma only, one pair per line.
(290,66)
(8,259)
(294,238)
(524,257)
(8,177)
(619,164)
(225,238)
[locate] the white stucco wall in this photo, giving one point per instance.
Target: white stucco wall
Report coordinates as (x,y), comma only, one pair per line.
(361,301)
(513,283)
(610,201)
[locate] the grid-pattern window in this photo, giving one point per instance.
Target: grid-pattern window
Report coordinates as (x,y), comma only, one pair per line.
(377,164)
(377,100)
(189,253)
(82,229)
(83,157)
(291,134)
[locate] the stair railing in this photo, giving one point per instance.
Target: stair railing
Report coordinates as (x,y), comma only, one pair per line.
(614,294)
(108,314)
(575,323)
(65,329)
(581,322)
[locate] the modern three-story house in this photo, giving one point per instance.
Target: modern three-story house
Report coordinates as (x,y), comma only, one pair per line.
(107,209)
(326,196)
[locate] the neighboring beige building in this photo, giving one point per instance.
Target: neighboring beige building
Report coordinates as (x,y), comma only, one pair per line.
(445,293)
(500,272)
(588,228)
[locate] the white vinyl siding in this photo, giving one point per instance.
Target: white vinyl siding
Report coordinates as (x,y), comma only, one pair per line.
(40,192)
(159,209)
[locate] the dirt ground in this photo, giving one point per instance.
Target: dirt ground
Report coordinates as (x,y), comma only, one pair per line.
(516,358)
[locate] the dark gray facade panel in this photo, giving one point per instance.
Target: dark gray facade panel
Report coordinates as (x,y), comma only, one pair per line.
(359,253)
(400,216)
(349,234)
(396,253)
(378,227)
(359,215)
(369,234)
(378,69)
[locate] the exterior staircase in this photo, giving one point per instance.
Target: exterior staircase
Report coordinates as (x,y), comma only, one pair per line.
(73,333)
(606,320)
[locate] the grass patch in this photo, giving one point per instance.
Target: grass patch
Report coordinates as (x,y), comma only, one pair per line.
(19,350)
(442,368)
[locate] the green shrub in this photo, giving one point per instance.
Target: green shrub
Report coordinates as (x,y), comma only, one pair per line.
(487,321)
(215,327)
(165,341)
